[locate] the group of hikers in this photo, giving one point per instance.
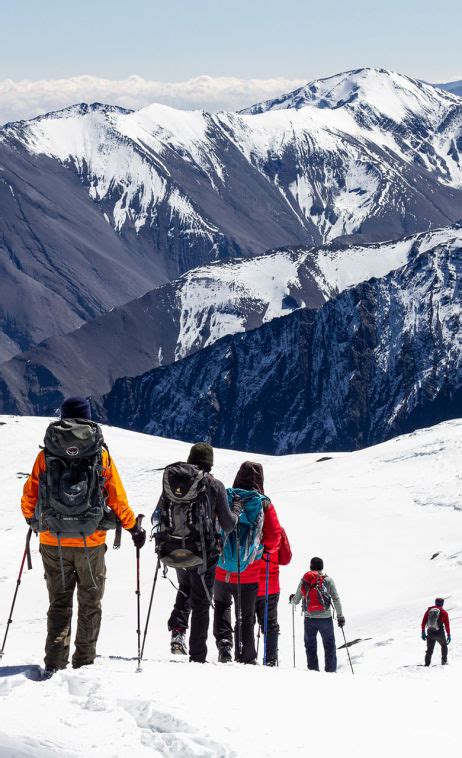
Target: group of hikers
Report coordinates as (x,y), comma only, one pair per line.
(225,545)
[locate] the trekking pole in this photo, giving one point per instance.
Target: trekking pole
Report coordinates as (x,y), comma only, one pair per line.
(346,648)
(293,631)
(258,638)
(149,609)
(26,556)
(265,623)
(238,604)
(139,522)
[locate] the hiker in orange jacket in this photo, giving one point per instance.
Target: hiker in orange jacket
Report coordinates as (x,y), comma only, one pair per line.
(71,562)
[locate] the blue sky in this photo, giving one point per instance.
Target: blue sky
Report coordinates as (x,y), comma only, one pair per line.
(181,39)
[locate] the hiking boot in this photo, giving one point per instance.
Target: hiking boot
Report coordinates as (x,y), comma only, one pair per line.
(444,663)
(178,643)
(48,672)
(225,652)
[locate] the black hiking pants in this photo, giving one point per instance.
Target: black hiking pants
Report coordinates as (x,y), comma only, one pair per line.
(273,626)
(77,573)
(179,617)
(200,611)
(223,594)
(432,639)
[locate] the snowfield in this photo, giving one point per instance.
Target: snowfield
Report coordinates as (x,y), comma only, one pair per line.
(376,517)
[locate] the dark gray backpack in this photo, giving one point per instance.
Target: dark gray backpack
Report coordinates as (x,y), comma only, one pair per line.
(186,536)
(71,491)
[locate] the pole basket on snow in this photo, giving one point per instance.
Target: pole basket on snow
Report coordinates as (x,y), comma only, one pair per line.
(139,522)
(26,557)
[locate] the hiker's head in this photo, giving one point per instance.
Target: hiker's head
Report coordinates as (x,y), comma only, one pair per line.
(76,407)
(316,564)
(439,602)
(201,454)
(250,477)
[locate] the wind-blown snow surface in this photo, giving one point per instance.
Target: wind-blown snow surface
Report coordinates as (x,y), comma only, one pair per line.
(377,517)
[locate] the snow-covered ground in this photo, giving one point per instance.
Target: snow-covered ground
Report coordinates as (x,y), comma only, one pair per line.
(376,516)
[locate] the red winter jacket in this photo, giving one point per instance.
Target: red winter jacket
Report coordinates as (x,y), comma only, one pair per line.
(274,563)
(444,618)
(271,538)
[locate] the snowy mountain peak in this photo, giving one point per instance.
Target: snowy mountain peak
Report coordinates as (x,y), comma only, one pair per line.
(391,94)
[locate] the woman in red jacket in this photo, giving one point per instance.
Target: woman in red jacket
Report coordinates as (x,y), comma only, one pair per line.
(249,477)
(269,572)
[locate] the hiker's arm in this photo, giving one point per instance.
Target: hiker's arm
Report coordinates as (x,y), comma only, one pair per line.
(226,518)
(117,497)
(298,595)
(424,620)
(335,598)
(446,622)
(271,536)
(30,492)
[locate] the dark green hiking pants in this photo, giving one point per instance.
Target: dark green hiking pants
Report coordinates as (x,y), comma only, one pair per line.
(76,573)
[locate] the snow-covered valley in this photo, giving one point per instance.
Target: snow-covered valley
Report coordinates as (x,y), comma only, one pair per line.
(376,516)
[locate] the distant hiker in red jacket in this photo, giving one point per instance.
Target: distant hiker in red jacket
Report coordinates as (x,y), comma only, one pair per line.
(281,557)
(436,624)
(248,478)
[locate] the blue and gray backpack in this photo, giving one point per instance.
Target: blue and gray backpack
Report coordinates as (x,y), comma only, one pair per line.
(248,531)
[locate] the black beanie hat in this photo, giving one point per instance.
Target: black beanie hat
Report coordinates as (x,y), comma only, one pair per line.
(201,454)
(76,407)
(316,564)
(439,601)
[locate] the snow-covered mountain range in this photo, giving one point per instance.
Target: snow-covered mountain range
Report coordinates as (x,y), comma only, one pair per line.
(146,196)
(184,316)
(382,358)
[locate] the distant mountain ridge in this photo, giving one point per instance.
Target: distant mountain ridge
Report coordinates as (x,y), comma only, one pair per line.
(182,317)
(382,358)
(100,204)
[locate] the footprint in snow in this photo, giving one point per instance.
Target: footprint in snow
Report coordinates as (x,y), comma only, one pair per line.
(170,736)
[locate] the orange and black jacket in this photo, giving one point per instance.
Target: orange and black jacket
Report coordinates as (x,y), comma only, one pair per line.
(116,500)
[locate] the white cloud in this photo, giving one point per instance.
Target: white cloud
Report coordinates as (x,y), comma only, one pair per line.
(26,99)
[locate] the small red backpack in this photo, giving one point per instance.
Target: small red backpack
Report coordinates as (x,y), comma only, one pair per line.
(284,553)
(315,593)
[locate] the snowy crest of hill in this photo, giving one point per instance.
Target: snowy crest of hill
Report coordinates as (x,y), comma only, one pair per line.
(386,521)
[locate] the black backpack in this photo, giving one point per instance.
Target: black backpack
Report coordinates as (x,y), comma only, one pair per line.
(186,535)
(72,499)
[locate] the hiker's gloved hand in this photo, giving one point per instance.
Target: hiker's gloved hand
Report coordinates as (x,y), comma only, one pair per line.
(448,639)
(291,597)
(237,506)
(424,636)
(341,621)
(138,536)
(28,521)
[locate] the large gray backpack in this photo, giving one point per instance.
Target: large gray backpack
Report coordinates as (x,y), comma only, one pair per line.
(71,490)
(186,535)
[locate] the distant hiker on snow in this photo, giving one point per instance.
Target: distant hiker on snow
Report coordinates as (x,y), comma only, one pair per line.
(434,625)
(72,497)
(240,566)
(319,593)
(185,528)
